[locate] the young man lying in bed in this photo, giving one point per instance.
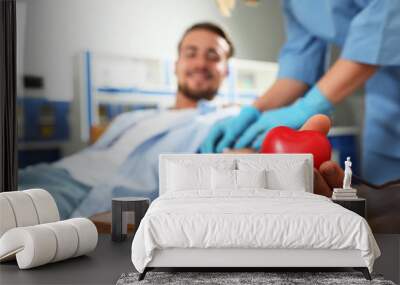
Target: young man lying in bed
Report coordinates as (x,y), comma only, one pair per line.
(124,161)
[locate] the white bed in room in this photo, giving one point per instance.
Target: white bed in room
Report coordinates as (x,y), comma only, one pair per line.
(224,210)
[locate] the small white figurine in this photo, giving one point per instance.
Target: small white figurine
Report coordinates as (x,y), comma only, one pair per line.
(347,192)
(347,174)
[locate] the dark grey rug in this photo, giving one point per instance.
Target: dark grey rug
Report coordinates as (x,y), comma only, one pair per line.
(228,278)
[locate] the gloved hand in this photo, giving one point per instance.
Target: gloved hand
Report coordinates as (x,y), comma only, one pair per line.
(293,116)
(225,132)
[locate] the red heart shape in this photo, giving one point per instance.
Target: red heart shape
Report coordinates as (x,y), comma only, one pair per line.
(286,140)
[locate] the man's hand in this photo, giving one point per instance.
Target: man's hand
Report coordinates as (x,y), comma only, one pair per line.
(329,175)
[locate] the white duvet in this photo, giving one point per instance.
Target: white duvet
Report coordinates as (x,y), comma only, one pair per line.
(250,219)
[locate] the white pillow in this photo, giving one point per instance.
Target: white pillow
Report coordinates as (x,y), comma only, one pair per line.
(191,174)
(251,178)
(183,178)
(223,179)
(293,180)
(282,174)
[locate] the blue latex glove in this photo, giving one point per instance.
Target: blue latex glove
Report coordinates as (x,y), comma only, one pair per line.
(224,133)
(293,116)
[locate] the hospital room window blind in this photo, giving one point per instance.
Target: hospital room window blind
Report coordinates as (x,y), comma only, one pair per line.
(8,155)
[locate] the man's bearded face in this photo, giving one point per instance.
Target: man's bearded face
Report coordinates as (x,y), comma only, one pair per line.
(202,64)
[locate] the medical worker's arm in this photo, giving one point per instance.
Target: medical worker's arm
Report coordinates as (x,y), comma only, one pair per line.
(343,78)
(301,64)
(283,92)
(372,41)
(302,59)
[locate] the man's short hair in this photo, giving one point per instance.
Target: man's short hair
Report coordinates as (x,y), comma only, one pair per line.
(213,28)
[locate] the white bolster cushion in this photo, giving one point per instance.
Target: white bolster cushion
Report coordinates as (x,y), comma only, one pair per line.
(33,246)
(7,218)
(40,244)
(26,208)
(87,235)
(67,240)
(46,207)
(23,208)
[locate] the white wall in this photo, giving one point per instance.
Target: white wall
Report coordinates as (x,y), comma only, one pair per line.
(57,30)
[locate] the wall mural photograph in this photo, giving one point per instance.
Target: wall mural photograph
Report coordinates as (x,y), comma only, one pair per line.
(258,137)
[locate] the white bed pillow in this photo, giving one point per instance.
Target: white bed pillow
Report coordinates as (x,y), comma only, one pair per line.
(183,178)
(251,178)
(281,174)
(223,179)
(294,180)
(186,174)
(226,179)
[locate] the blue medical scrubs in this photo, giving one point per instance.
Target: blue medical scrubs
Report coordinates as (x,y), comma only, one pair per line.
(367,32)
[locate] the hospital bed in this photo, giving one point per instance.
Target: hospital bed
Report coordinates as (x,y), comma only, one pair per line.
(195,224)
(110,84)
